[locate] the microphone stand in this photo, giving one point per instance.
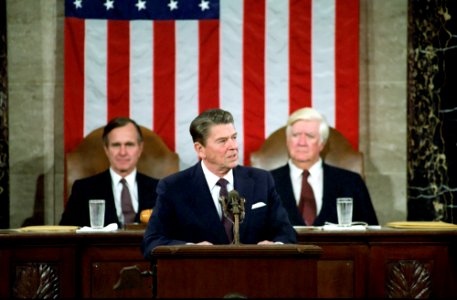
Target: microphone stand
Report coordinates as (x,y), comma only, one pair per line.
(233,209)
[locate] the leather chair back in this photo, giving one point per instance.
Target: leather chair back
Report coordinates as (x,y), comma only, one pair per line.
(337,152)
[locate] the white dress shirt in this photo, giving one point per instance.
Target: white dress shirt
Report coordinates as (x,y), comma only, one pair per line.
(315,179)
(117,190)
(212,179)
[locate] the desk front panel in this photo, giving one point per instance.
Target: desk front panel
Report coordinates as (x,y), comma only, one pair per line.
(38,272)
(408,271)
(341,269)
(70,265)
(374,263)
(353,264)
(102,268)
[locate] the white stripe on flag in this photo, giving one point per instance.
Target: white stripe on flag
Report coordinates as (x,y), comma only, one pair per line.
(231,64)
(276,65)
(141,81)
(323,58)
(95,91)
(186,89)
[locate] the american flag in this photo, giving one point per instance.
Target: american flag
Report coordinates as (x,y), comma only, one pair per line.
(162,62)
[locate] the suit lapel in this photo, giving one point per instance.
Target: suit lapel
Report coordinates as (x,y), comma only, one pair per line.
(202,204)
(329,189)
(243,183)
(141,183)
(284,186)
(109,197)
(245,186)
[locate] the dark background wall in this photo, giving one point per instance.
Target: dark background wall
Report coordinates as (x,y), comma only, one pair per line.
(432,110)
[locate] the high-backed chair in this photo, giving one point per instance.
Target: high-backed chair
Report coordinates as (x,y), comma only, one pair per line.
(89,158)
(337,152)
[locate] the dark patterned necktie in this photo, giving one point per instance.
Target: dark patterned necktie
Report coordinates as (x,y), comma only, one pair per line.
(307,204)
(126,204)
(227,223)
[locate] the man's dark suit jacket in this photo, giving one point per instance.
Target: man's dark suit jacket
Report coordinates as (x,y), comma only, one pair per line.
(100,187)
(337,183)
(185,211)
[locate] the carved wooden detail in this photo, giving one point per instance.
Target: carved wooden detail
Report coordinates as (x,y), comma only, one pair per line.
(36,280)
(131,277)
(408,279)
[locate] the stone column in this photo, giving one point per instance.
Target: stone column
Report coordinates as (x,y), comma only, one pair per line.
(4,165)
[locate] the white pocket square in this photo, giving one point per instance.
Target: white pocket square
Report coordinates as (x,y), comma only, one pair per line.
(257,205)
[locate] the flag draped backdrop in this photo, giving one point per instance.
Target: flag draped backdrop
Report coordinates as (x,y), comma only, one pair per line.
(162,62)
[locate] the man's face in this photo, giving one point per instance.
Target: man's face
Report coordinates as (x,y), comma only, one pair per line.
(303,143)
(221,151)
(123,150)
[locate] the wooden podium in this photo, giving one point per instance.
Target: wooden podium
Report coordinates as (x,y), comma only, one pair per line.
(251,271)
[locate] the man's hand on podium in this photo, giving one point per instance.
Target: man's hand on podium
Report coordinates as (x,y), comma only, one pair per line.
(265,242)
(200,243)
(269,243)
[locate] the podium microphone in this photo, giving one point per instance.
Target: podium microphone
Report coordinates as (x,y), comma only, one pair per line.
(235,205)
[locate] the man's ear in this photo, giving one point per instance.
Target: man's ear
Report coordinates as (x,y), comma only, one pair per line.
(200,150)
(106,149)
(141,146)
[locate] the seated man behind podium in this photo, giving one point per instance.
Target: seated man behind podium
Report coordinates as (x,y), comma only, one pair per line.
(306,134)
(123,145)
(188,210)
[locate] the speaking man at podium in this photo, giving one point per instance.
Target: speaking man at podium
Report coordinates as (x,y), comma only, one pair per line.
(188,210)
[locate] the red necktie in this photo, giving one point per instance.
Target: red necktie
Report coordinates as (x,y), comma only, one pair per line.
(307,204)
(126,203)
(227,223)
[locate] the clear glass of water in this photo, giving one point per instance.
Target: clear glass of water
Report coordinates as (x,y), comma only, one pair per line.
(344,211)
(97,213)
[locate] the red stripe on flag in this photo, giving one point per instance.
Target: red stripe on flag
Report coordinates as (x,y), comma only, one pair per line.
(118,50)
(208,79)
(254,76)
(164,81)
(299,54)
(346,75)
(74,82)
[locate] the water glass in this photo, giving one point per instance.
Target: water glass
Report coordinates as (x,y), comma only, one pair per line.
(97,213)
(344,211)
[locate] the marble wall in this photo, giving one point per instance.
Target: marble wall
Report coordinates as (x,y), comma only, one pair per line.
(35,60)
(432,111)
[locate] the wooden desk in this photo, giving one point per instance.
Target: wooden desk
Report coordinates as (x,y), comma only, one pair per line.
(385,263)
(72,265)
(352,264)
